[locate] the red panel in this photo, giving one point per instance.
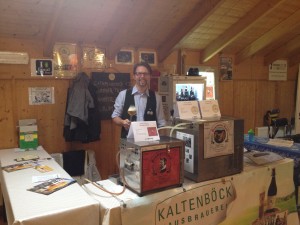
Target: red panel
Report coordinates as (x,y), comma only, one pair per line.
(161,168)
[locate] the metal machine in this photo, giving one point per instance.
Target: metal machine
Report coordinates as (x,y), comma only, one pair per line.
(151,166)
(213,148)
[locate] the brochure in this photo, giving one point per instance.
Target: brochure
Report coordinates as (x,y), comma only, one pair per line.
(43,168)
(52,185)
(261,158)
(188,110)
(209,109)
(19,166)
(43,178)
(27,158)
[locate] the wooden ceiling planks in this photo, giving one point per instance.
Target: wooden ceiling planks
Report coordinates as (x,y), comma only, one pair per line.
(239,27)
(288,25)
(199,13)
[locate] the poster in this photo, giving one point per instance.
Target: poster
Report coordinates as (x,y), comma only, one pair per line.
(278,70)
(226,68)
(41,95)
(41,67)
(189,158)
(218,139)
(108,87)
(93,57)
(65,60)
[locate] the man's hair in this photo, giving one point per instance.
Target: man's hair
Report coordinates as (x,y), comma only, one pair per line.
(144,64)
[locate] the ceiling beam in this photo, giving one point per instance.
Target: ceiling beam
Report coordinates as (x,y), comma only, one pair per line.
(199,13)
(239,28)
(287,26)
(52,29)
(284,51)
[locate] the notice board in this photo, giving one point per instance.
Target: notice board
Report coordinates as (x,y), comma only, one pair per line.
(108,87)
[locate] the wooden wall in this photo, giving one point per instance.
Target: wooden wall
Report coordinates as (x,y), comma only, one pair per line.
(249,95)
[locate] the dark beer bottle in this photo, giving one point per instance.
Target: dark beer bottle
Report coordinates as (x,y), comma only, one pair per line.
(272,192)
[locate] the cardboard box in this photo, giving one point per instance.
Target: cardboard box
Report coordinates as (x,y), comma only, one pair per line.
(28,134)
(262,132)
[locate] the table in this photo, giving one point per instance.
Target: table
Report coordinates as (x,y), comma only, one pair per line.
(293,152)
(237,199)
(68,206)
(260,144)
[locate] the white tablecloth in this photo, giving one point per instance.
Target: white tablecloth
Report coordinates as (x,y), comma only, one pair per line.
(225,201)
(68,206)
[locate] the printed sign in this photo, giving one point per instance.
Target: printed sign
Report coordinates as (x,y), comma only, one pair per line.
(143,131)
(108,87)
(41,67)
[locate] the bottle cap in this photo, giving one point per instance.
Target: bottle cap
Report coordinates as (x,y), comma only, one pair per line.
(250,131)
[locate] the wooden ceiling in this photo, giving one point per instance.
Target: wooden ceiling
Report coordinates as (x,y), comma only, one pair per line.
(244,28)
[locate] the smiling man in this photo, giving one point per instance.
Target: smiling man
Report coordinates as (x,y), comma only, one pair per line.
(144,104)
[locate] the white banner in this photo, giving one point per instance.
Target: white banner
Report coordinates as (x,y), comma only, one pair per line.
(239,199)
(207,203)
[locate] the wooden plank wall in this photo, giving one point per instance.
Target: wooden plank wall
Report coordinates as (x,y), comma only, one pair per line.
(249,95)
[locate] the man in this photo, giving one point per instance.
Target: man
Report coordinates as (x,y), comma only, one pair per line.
(147,103)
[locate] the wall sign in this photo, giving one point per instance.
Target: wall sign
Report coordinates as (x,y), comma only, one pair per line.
(41,95)
(124,56)
(148,57)
(108,87)
(226,68)
(65,60)
(278,70)
(41,67)
(93,58)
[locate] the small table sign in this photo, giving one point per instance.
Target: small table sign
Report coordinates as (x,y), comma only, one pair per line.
(188,110)
(143,131)
(209,109)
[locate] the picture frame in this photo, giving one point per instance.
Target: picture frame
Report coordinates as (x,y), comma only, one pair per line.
(65,60)
(41,95)
(125,56)
(93,57)
(42,67)
(148,57)
(226,68)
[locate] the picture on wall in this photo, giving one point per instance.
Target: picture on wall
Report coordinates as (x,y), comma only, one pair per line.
(41,67)
(65,59)
(41,95)
(148,57)
(93,57)
(124,56)
(226,68)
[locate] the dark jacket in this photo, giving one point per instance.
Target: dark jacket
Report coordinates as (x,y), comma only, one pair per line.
(82,118)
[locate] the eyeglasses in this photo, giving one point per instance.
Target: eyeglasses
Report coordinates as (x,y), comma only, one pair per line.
(142,73)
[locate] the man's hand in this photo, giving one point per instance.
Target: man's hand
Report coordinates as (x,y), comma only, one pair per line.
(126,124)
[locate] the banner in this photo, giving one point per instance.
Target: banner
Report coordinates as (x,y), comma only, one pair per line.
(239,199)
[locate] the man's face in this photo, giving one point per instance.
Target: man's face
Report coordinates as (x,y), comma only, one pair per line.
(142,76)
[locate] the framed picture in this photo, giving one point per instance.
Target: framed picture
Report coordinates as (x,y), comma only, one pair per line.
(65,60)
(93,57)
(148,57)
(226,68)
(41,67)
(124,56)
(41,95)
